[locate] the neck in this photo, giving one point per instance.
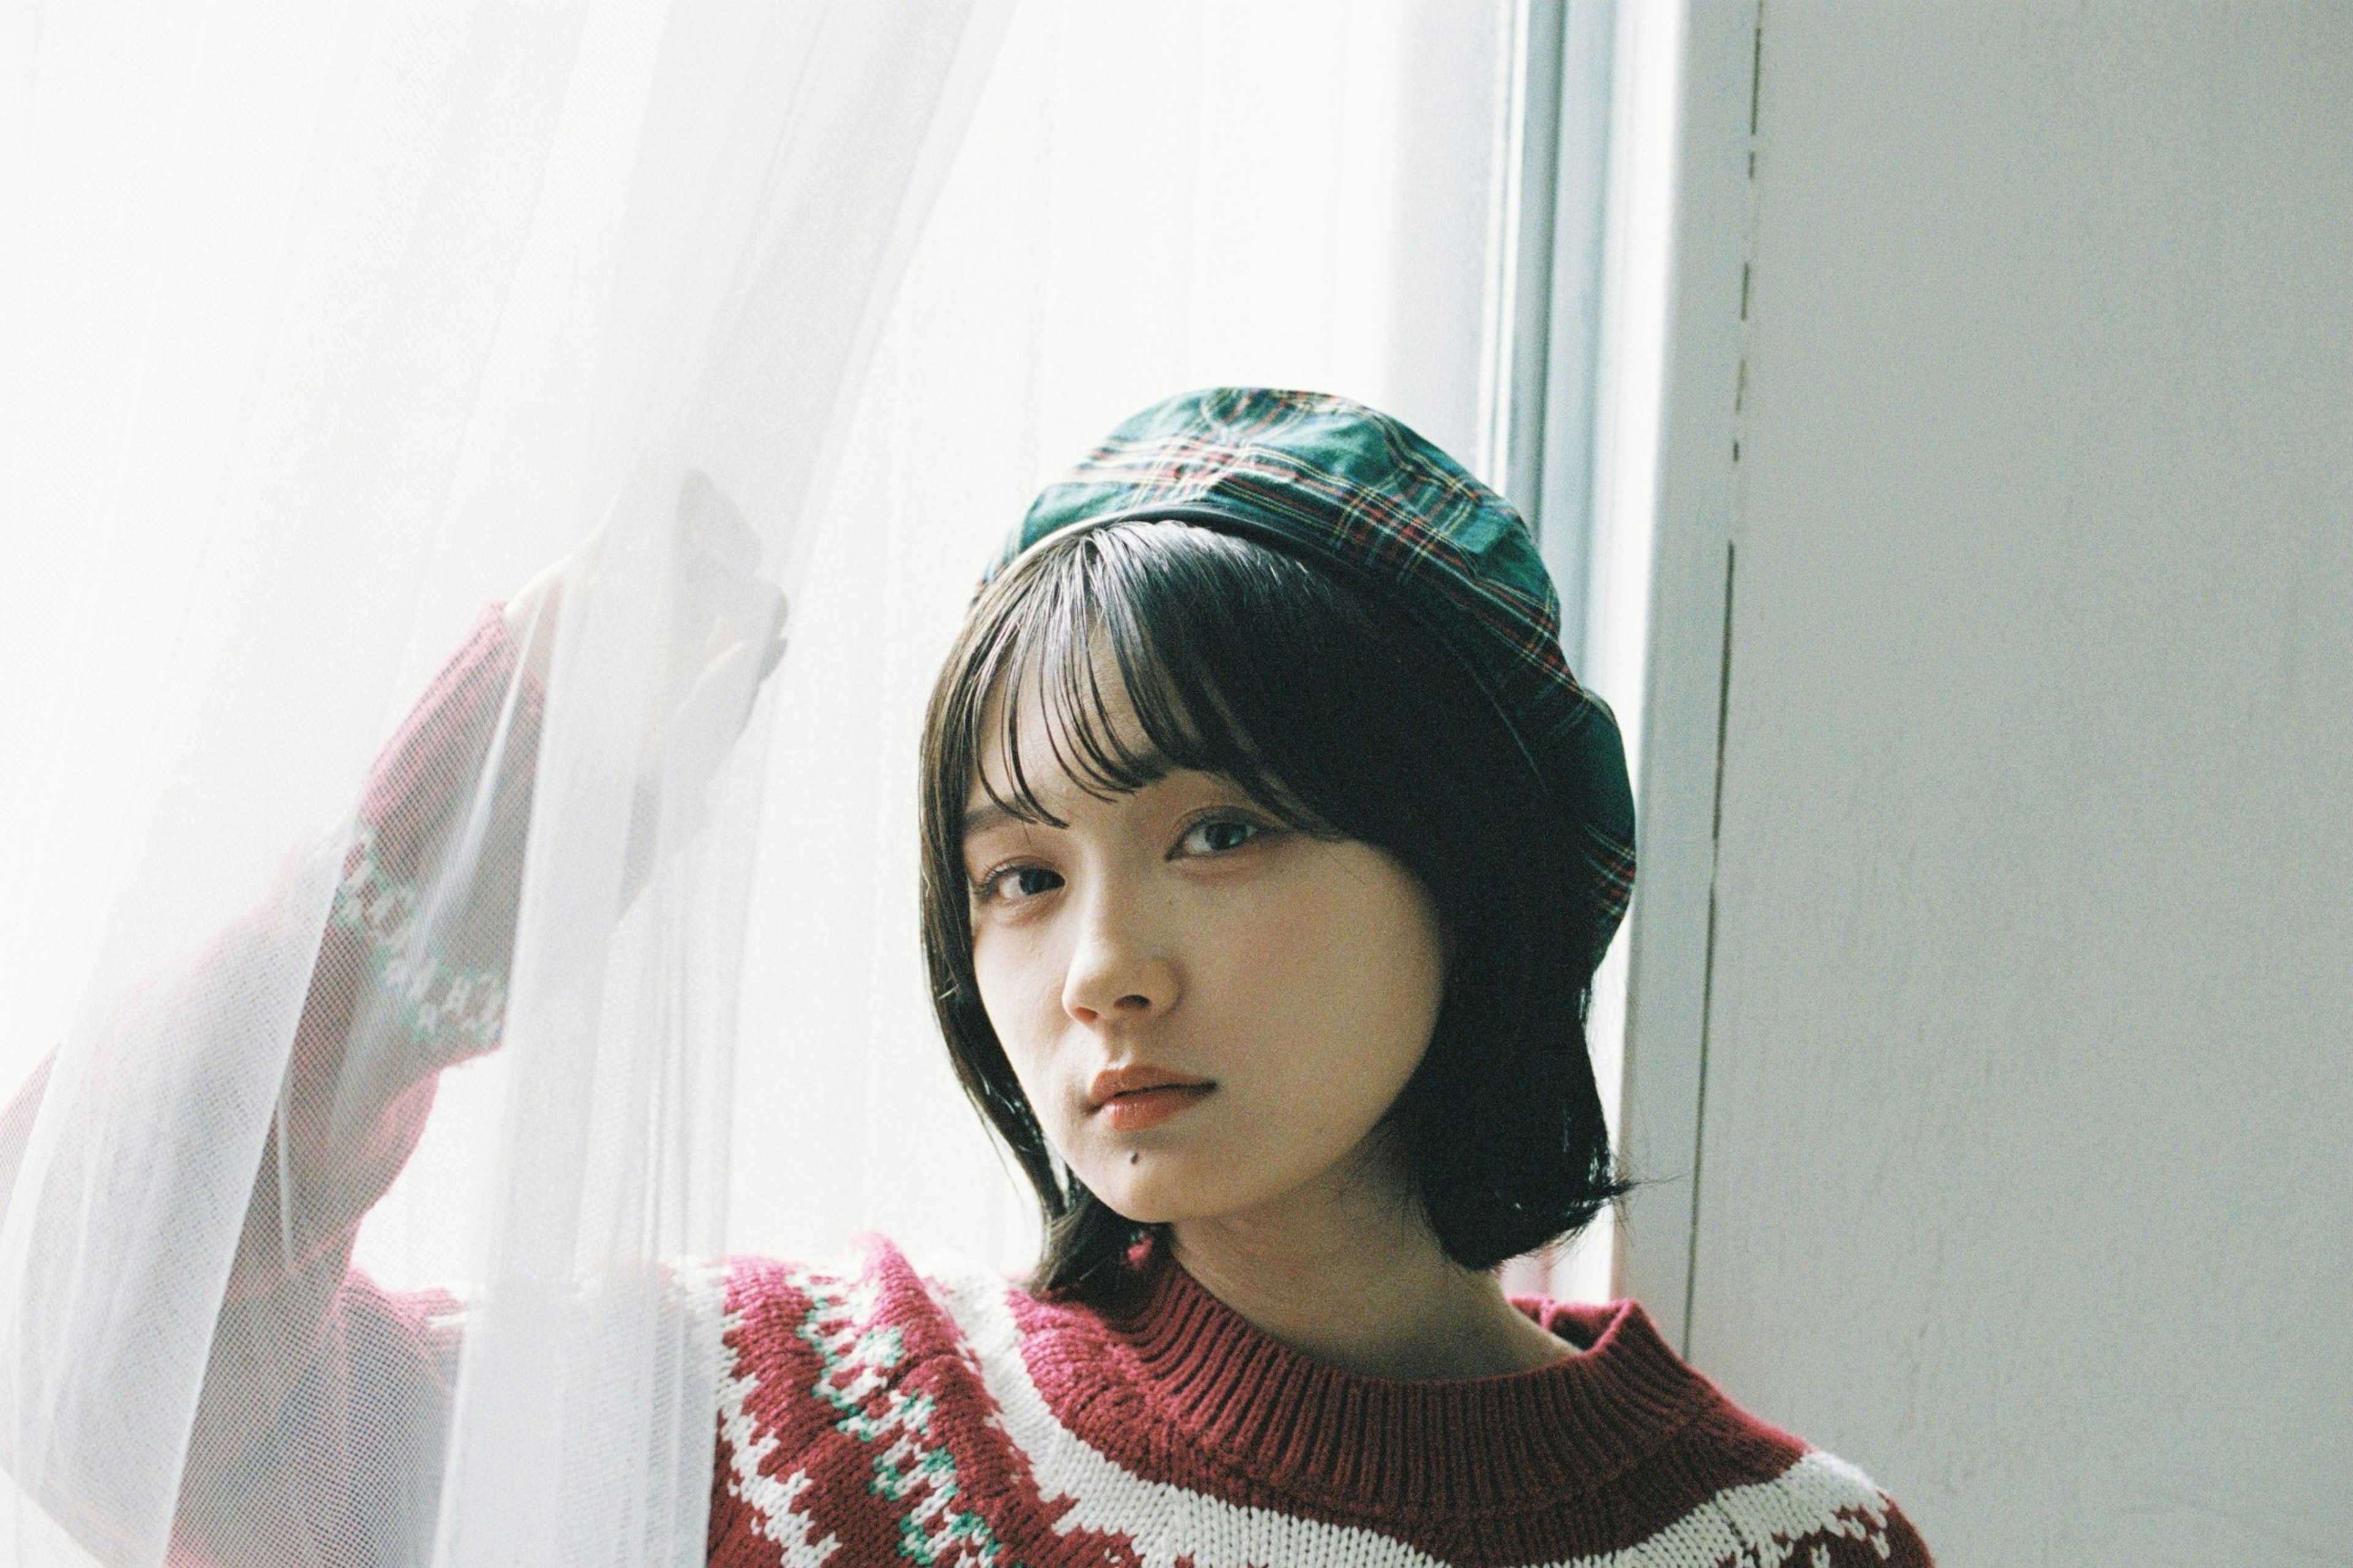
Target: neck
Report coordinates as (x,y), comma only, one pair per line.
(1348,1272)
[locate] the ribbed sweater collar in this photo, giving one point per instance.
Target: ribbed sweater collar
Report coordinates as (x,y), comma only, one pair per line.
(1313,1431)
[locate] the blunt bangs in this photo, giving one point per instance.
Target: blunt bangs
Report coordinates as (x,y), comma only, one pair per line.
(1118,622)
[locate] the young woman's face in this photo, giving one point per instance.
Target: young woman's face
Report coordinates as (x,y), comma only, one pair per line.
(1207,1009)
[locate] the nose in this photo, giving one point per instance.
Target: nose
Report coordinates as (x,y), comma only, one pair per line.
(1119,973)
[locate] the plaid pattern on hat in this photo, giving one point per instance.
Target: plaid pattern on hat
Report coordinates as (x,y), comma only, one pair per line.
(1339,482)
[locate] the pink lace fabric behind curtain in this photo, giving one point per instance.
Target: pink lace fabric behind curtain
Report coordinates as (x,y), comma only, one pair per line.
(532,275)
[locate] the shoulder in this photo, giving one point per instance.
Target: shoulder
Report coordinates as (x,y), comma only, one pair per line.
(1729,1487)
(805,1345)
(879,1311)
(1818,1508)
(858,1410)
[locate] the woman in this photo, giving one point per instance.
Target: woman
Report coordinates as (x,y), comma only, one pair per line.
(1269,848)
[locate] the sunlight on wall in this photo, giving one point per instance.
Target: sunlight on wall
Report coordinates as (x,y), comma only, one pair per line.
(1618,603)
(1613,658)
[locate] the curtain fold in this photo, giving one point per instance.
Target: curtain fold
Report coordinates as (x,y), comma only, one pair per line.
(586,278)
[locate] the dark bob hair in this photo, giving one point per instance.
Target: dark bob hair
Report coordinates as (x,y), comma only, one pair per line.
(1341,715)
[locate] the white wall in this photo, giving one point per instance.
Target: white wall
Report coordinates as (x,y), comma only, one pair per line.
(2013,1005)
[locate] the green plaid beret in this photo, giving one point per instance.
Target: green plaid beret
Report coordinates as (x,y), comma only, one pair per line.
(1337,482)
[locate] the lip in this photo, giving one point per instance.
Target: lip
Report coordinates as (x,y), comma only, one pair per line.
(1137,1095)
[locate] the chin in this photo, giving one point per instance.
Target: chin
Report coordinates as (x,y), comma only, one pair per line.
(1159,1187)
(1141,1198)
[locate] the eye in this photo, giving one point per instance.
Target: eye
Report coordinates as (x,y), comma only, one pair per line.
(1218,836)
(1015,884)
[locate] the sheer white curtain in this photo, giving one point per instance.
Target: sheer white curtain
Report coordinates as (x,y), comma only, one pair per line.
(1152,197)
(320,328)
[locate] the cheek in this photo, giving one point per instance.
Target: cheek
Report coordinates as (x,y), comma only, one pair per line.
(1336,988)
(1020,990)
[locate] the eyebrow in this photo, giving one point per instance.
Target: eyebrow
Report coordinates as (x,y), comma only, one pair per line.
(980,816)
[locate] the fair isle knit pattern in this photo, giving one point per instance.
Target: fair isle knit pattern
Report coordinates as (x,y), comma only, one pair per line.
(947,1417)
(447,1006)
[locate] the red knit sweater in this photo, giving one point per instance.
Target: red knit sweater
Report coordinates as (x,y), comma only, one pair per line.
(944,1417)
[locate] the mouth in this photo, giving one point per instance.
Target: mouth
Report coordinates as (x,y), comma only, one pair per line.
(1131,1098)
